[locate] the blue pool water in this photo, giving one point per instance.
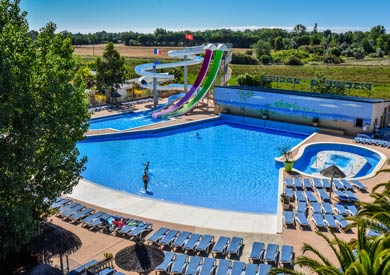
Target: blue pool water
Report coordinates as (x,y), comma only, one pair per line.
(227,166)
(345,162)
(122,122)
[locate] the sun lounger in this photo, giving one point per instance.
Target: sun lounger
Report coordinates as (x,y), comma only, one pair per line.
(357,184)
(64,208)
(341,196)
(72,211)
(88,219)
(264,269)
(330,221)
(205,244)
(316,207)
(288,218)
(317,183)
(300,196)
(351,195)
(157,236)
(93,224)
(286,255)
(323,195)
(166,264)
(81,214)
(237,268)
(289,182)
(340,209)
(338,185)
(301,220)
(207,267)
(326,184)
(82,268)
(138,231)
(181,239)
(341,222)
(351,209)
(192,242)
(326,208)
(257,252)
(346,184)
(373,233)
(234,247)
(307,183)
(179,264)
(310,196)
(220,246)
(301,207)
(271,253)
(193,266)
(106,271)
(251,269)
(298,183)
(318,221)
(289,192)
(60,203)
(168,238)
(223,267)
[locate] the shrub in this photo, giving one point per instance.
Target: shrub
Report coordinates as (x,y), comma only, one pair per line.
(265,59)
(249,52)
(293,60)
(358,53)
(332,59)
(251,80)
(243,59)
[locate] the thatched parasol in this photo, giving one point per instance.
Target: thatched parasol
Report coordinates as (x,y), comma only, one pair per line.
(40,269)
(139,258)
(54,240)
(332,172)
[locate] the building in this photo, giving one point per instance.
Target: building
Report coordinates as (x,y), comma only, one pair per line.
(334,113)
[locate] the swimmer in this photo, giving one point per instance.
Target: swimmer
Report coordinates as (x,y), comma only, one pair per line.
(146,167)
(145,179)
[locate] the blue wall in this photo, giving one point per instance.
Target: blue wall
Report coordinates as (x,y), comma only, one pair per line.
(334,109)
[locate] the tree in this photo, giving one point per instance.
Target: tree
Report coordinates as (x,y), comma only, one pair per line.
(299,29)
(278,43)
(262,47)
(42,117)
(110,70)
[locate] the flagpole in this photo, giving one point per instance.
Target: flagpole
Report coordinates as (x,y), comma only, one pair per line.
(185,68)
(155,95)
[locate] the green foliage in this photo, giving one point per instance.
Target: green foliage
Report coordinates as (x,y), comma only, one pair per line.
(265,59)
(293,60)
(42,117)
(332,59)
(262,47)
(251,80)
(110,69)
(239,58)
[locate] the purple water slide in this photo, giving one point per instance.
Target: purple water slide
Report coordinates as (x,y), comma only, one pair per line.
(194,88)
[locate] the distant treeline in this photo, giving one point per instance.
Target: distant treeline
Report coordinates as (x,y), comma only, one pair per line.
(374,41)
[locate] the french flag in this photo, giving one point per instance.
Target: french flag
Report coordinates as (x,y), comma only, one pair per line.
(157,51)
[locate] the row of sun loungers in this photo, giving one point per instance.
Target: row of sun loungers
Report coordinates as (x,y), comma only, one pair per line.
(194,265)
(372,141)
(271,255)
(187,241)
(308,184)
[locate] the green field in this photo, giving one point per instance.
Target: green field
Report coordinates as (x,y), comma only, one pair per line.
(378,76)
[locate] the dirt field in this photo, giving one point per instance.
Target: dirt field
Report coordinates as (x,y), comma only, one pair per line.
(128,51)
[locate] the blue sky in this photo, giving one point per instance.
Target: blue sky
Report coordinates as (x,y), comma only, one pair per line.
(146,15)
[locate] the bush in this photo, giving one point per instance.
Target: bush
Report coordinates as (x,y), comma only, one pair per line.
(252,80)
(265,59)
(293,60)
(249,52)
(379,53)
(332,59)
(358,53)
(335,51)
(243,59)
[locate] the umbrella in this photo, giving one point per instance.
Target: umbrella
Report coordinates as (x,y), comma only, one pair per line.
(139,258)
(332,172)
(55,240)
(40,269)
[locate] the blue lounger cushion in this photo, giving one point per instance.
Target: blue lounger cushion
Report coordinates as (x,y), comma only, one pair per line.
(193,266)
(271,253)
(205,243)
(223,267)
(307,183)
(330,221)
(234,246)
(286,254)
(251,269)
(346,184)
(289,182)
(310,196)
(288,217)
(326,184)
(316,207)
(323,195)
(156,237)
(357,184)
(181,239)
(264,269)
(338,184)
(167,262)
(83,267)
(169,237)
(317,183)
(81,214)
(340,209)
(92,217)
(351,209)
(341,222)
(192,242)
(221,245)
(301,207)
(301,219)
(326,208)
(318,220)
(207,267)
(298,183)
(289,192)
(237,268)
(257,252)
(300,196)
(179,264)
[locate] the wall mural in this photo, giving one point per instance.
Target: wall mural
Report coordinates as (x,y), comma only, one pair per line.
(290,104)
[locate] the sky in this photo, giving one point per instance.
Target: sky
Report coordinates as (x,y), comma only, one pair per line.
(144,16)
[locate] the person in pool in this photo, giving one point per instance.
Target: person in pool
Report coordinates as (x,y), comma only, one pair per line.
(145,179)
(146,167)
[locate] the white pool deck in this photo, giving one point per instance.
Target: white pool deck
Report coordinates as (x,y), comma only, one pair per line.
(177,213)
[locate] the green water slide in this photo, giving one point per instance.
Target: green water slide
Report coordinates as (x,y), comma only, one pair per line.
(205,88)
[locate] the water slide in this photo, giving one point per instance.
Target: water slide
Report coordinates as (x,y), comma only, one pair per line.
(206,87)
(191,58)
(194,88)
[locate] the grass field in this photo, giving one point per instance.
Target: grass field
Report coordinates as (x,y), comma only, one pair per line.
(375,71)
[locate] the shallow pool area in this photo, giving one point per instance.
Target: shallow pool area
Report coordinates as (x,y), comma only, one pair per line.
(218,165)
(354,161)
(122,121)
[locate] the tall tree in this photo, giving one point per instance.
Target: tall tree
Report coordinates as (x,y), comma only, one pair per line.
(110,69)
(42,116)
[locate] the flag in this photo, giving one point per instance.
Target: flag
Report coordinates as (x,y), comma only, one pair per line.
(189,36)
(157,51)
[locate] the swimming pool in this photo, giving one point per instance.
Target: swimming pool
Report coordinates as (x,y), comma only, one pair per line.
(355,161)
(228,166)
(123,121)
